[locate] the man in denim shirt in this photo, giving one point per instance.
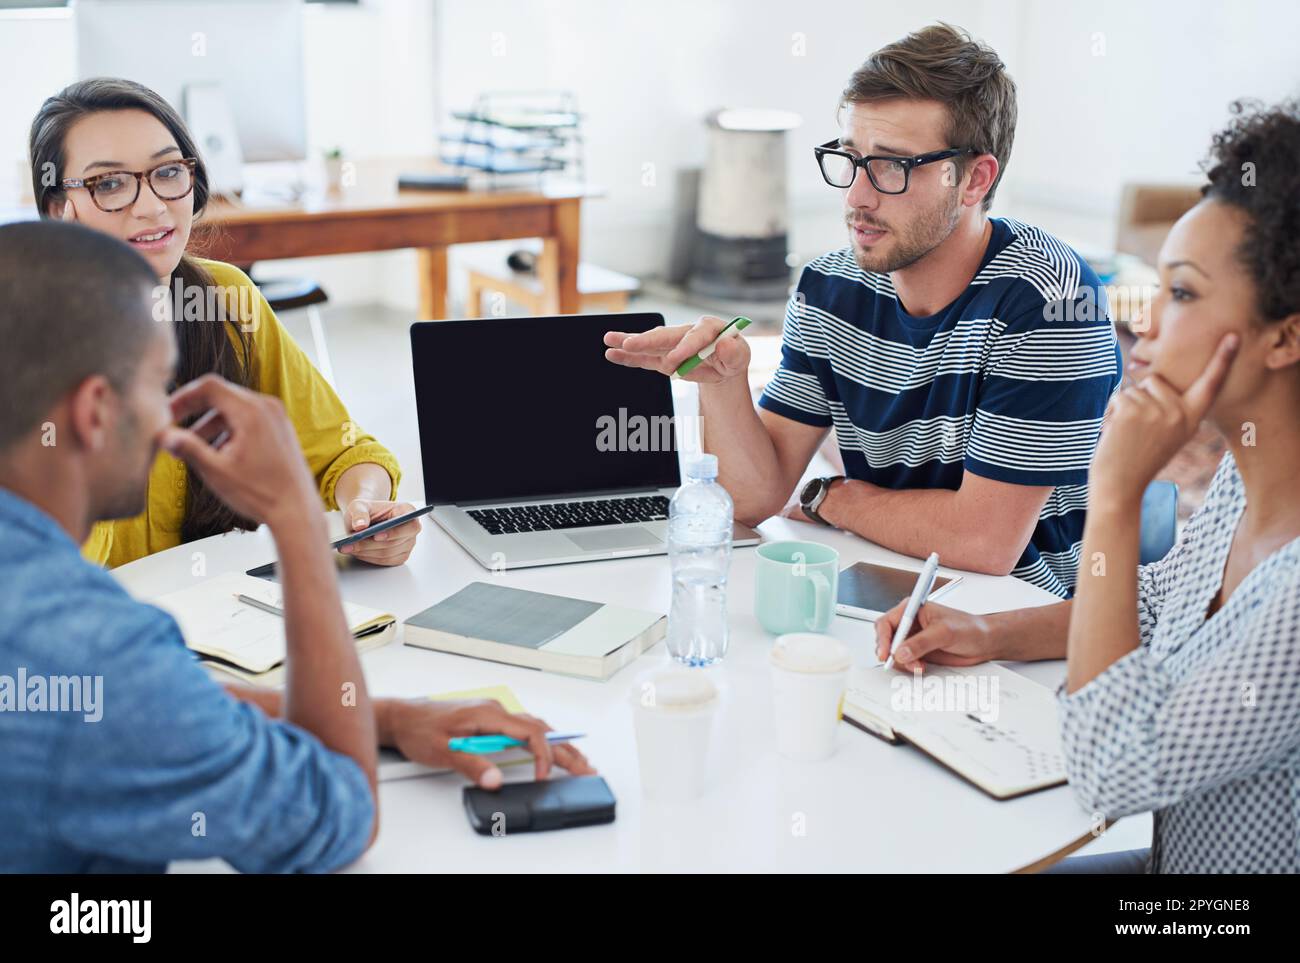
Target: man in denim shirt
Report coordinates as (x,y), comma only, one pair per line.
(117,751)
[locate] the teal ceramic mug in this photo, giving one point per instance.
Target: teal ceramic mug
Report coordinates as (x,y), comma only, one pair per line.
(795,585)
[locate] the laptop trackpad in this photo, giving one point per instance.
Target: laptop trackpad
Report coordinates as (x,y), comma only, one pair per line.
(613,539)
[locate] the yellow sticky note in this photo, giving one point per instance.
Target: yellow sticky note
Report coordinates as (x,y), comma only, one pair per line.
(501,693)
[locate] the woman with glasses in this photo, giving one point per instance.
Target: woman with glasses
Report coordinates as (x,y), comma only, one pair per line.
(116,157)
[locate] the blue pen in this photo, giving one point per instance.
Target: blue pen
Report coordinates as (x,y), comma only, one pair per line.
(482,745)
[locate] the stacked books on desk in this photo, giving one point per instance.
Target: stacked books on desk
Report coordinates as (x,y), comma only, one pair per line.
(991,726)
(536,631)
(242,640)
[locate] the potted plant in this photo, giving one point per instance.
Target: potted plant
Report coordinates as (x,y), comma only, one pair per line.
(334,168)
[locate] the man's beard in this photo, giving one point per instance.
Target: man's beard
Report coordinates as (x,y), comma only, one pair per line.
(930,230)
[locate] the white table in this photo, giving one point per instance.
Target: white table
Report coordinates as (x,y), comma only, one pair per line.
(872,807)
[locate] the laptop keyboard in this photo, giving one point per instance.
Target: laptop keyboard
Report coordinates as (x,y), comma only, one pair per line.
(584,514)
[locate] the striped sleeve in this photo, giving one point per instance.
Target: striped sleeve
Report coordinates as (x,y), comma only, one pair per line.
(1048,377)
(795,391)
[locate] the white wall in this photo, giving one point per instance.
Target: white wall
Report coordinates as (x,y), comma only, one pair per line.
(1109,91)
(1114,91)
(36,51)
(646,74)
(370,89)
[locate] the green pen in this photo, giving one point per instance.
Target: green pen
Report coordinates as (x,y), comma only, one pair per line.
(481,745)
(736,326)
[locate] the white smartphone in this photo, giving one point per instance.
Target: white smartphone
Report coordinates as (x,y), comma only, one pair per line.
(867,591)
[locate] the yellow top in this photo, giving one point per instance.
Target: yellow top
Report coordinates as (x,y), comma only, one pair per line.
(331,442)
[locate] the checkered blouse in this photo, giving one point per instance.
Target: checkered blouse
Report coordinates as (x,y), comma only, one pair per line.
(1201,723)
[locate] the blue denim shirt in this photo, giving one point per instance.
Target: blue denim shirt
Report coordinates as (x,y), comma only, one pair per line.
(164,764)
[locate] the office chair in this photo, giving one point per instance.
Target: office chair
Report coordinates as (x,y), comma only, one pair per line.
(289,294)
(1159,520)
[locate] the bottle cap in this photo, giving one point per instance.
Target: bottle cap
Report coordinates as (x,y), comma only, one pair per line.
(703,466)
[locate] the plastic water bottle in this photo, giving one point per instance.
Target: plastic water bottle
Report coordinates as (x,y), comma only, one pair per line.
(699,550)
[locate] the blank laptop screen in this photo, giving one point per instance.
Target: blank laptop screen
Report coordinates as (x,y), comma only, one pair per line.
(518,408)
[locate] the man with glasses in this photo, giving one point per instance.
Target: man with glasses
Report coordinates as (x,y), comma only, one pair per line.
(964,361)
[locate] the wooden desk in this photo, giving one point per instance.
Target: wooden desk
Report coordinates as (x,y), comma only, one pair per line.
(373,215)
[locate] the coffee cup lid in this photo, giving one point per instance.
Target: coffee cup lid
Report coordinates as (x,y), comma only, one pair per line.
(675,689)
(810,652)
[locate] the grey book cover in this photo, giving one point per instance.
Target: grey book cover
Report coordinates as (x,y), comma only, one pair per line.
(498,613)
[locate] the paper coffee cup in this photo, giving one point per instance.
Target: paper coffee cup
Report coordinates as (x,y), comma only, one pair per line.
(673,712)
(809,674)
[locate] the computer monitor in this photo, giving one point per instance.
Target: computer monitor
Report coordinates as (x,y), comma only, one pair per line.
(251,48)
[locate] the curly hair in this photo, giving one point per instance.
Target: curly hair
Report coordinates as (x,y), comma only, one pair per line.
(1254,165)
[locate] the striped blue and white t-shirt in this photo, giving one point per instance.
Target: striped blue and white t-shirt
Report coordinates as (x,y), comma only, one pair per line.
(1010,381)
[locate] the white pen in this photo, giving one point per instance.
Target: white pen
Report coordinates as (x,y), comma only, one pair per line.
(924,582)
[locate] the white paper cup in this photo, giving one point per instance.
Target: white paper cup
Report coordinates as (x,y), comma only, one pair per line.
(673,712)
(809,674)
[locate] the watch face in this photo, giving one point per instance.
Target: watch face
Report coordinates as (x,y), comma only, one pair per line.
(810,491)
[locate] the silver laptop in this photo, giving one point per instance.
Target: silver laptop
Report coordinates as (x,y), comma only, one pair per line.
(537,450)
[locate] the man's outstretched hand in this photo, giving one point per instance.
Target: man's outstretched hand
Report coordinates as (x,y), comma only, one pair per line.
(664,350)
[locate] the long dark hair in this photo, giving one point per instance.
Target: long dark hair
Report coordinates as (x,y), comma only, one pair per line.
(203,345)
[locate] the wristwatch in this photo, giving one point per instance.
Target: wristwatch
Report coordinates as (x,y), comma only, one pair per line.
(814,493)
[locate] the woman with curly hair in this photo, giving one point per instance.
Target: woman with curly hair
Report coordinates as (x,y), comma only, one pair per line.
(1182,695)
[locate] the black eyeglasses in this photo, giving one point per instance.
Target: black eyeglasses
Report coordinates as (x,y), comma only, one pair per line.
(889,175)
(115,190)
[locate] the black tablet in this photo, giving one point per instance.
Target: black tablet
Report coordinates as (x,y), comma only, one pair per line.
(866,590)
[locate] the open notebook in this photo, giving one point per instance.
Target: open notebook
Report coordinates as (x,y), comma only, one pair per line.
(993,727)
(246,642)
